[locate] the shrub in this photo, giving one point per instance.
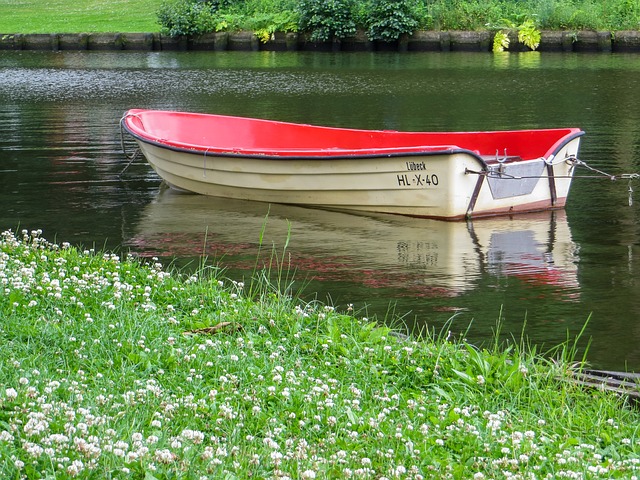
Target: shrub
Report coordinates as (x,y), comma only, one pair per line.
(187,17)
(500,41)
(626,15)
(388,19)
(327,19)
(528,34)
(266,25)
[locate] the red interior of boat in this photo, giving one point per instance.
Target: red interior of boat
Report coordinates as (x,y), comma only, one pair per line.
(226,134)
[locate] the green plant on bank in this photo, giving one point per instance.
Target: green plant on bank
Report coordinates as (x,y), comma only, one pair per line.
(327,19)
(119,369)
(188,17)
(389,19)
(78,16)
(266,25)
(500,41)
(528,35)
(464,14)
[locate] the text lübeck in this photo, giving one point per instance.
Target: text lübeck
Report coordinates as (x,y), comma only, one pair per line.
(416,166)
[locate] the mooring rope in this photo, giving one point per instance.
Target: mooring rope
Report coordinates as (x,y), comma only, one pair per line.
(136,153)
(627,176)
(577,162)
(574,160)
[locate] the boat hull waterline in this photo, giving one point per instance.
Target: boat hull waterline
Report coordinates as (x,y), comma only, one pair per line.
(448,175)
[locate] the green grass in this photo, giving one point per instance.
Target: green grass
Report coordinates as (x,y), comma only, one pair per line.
(110,369)
(78,16)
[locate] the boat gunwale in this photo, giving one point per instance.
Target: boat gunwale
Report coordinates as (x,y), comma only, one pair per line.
(208,152)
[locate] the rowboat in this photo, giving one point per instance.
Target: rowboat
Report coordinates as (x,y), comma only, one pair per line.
(442,175)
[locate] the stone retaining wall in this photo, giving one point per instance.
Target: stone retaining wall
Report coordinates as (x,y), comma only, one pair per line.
(423,41)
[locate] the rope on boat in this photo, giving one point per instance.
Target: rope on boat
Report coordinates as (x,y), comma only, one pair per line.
(499,173)
(623,176)
(131,157)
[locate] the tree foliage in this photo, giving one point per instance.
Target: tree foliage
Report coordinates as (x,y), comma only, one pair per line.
(389,19)
(327,19)
(187,17)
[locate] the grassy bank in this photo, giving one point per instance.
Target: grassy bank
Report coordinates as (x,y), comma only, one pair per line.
(114,369)
(78,16)
(263,16)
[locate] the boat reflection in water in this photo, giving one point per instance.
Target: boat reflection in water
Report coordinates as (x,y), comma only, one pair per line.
(418,257)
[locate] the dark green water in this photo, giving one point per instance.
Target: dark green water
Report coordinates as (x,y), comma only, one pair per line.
(60,165)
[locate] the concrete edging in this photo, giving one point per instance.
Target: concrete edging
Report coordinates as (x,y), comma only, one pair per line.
(421,41)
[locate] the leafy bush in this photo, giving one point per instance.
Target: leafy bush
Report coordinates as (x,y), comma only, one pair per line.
(626,15)
(187,17)
(528,34)
(500,41)
(266,25)
(327,19)
(388,19)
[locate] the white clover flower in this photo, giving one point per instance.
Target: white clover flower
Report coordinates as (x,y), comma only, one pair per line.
(516,437)
(11,393)
(165,456)
(271,443)
(399,470)
(207,454)
(221,452)
(308,474)
(75,468)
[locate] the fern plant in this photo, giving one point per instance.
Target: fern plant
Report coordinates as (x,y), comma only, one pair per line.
(500,41)
(528,35)
(266,25)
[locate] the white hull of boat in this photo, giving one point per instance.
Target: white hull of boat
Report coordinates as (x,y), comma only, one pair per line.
(444,185)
